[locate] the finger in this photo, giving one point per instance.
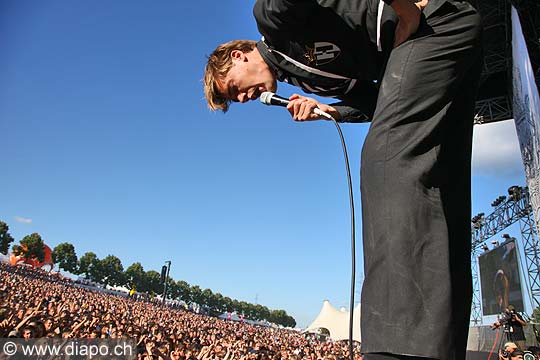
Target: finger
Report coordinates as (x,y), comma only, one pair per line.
(421,4)
(308,111)
(291,109)
(296,109)
(305,112)
(301,114)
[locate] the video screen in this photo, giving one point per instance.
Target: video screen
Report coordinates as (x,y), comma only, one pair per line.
(500,280)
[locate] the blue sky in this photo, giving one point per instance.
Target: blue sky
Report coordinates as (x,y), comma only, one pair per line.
(107,143)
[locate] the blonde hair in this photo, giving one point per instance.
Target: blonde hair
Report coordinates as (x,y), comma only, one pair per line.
(218,66)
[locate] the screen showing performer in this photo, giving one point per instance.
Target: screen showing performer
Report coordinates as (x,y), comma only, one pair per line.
(500,280)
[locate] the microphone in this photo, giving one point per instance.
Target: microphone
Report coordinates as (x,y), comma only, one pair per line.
(269,98)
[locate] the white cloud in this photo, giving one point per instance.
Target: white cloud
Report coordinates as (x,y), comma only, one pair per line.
(23,220)
(496,150)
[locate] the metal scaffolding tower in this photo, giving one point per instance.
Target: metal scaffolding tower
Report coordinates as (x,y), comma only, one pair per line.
(476,307)
(532,254)
(494,103)
(516,208)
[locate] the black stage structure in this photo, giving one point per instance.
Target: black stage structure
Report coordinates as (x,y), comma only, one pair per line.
(494,103)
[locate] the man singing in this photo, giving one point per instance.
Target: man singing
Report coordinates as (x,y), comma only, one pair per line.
(412,70)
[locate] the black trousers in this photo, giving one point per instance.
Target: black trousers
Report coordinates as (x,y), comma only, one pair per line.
(415,185)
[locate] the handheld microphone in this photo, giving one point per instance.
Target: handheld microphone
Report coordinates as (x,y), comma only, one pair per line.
(269,98)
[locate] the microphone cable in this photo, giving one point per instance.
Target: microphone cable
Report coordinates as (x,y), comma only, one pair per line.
(353,237)
(269,98)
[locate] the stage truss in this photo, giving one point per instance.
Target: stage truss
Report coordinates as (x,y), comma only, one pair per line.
(516,208)
(494,101)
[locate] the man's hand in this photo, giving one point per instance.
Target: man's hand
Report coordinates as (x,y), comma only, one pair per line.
(301,108)
(408,13)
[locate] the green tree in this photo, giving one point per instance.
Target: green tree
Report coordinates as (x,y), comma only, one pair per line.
(5,238)
(242,308)
(171,288)
(196,294)
(112,271)
(90,266)
(289,321)
(136,277)
(183,290)
(153,284)
(207,298)
(219,303)
(280,317)
(250,311)
(31,247)
(64,255)
(235,306)
(228,304)
(261,312)
(85,263)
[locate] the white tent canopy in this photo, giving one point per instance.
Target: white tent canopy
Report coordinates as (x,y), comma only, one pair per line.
(337,322)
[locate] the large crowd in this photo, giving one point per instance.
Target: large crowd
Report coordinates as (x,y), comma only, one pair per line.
(35,304)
